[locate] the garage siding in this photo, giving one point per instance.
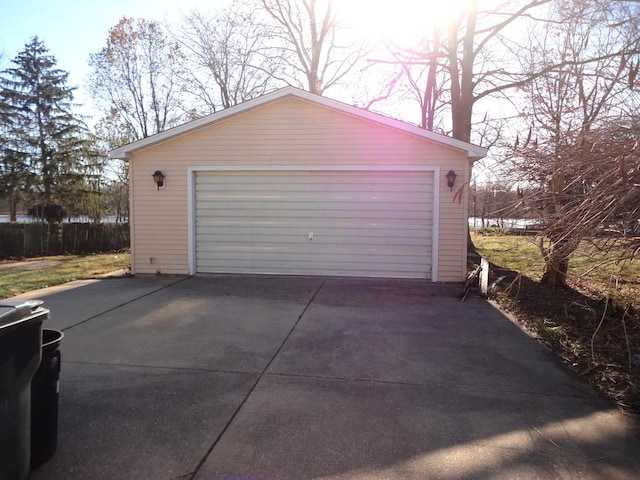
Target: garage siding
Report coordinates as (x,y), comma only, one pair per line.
(360,223)
(292,132)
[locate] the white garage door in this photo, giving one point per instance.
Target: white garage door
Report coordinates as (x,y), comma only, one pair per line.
(342,223)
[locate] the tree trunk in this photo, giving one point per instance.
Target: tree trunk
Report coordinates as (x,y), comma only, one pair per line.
(555,272)
(13,209)
(462,75)
(556,260)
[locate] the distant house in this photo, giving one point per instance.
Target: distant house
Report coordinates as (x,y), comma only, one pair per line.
(292,183)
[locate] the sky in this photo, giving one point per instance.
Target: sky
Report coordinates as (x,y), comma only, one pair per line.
(73,29)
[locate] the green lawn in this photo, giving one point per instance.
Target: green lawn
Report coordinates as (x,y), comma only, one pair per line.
(36,273)
(519,253)
(589,269)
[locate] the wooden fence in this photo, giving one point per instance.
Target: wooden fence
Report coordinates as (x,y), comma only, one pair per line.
(41,239)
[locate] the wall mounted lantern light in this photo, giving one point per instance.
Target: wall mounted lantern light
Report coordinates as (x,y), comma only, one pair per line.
(451,179)
(158,177)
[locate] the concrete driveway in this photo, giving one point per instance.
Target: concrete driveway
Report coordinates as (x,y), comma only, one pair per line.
(296,378)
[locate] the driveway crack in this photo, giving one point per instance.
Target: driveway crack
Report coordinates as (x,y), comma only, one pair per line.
(295,325)
(255,384)
(123,304)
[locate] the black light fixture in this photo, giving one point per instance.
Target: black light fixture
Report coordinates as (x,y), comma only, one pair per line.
(451,179)
(158,177)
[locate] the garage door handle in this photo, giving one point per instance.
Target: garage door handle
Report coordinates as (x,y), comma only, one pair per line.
(310,235)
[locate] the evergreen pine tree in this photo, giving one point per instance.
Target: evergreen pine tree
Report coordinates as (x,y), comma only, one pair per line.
(43,141)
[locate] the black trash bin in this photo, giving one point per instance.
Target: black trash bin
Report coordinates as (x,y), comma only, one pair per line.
(44,400)
(20,349)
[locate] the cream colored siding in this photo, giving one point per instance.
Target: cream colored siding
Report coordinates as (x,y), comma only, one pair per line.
(289,132)
(160,231)
(453,221)
(293,132)
(346,223)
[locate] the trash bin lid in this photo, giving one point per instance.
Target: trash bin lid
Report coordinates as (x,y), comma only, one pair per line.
(14,311)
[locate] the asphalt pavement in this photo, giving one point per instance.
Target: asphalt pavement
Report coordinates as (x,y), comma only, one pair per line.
(299,378)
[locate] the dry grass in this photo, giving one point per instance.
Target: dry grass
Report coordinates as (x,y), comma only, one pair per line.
(35,273)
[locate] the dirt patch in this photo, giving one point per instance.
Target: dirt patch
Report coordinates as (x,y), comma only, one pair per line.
(27,265)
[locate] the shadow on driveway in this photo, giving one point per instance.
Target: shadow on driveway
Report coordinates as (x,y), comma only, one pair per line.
(300,378)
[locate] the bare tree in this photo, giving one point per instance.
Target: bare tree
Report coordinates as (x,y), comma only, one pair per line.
(136,76)
(420,78)
(225,64)
(427,86)
(595,197)
(306,36)
(478,53)
(110,133)
(474,68)
(580,153)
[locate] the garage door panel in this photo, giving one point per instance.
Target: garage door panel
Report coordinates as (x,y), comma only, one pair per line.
(320,252)
(335,268)
(315,213)
(359,200)
(333,184)
(331,270)
(361,223)
(283,261)
(304,222)
(367,195)
(317,181)
(226,233)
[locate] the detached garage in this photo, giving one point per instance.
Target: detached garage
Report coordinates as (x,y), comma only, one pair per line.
(293,183)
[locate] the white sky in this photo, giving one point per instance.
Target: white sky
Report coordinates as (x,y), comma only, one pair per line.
(72,29)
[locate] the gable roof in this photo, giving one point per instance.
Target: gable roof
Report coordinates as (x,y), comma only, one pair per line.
(473,152)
